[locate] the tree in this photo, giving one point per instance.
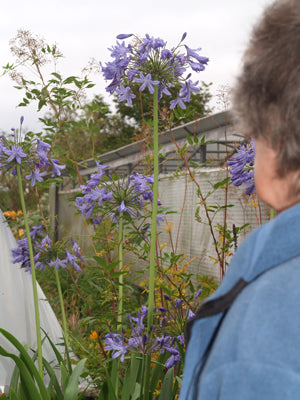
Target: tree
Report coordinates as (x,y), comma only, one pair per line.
(94,130)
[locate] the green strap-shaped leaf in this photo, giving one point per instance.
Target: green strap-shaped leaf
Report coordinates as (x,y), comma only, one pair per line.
(12,394)
(166,392)
(158,371)
(27,382)
(26,361)
(53,380)
(108,390)
(64,376)
(15,379)
(71,392)
(132,375)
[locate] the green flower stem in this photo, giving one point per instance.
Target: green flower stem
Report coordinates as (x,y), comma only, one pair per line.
(63,314)
(152,263)
(33,276)
(152,257)
(271,213)
(120,249)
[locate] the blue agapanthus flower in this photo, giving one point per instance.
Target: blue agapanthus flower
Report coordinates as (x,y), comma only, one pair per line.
(36,159)
(113,198)
(149,63)
(142,342)
(242,167)
(46,252)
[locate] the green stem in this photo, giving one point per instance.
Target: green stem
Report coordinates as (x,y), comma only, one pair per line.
(63,314)
(152,257)
(33,276)
(152,263)
(120,249)
(271,213)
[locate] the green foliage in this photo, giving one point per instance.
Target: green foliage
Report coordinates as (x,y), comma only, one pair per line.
(94,130)
(163,385)
(28,384)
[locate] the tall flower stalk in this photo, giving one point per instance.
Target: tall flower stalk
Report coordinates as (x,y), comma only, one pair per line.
(150,64)
(121,278)
(152,258)
(33,275)
(63,315)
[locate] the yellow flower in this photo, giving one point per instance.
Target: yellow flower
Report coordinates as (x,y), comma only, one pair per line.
(252,202)
(169,226)
(19,213)
(162,246)
(93,335)
(101,253)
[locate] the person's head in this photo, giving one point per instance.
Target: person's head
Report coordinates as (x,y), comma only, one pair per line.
(266,100)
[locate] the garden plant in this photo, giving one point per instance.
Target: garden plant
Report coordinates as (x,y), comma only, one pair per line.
(129,336)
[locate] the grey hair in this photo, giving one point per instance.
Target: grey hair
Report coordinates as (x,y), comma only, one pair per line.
(266,99)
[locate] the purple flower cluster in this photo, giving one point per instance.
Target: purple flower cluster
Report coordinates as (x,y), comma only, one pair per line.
(37,158)
(242,167)
(149,63)
(102,197)
(46,252)
(141,341)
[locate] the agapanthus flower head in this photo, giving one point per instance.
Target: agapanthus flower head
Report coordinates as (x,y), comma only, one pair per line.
(112,198)
(149,63)
(143,340)
(46,252)
(242,167)
(31,156)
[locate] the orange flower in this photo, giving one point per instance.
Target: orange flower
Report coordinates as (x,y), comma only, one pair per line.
(93,335)
(21,232)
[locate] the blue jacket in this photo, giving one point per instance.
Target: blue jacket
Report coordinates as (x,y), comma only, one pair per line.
(252,350)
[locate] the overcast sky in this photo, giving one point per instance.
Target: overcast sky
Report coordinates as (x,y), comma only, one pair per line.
(85,29)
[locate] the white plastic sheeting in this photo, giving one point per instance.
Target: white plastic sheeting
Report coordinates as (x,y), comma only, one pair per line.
(17,307)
